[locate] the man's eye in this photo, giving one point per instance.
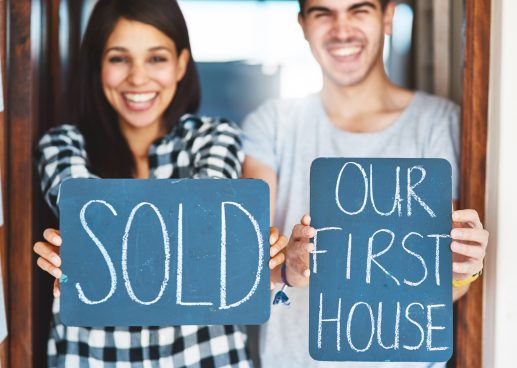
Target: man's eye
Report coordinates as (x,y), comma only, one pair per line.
(321,14)
(361,11)
(117,59)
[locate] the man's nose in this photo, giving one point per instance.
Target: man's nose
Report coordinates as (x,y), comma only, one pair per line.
(341,26)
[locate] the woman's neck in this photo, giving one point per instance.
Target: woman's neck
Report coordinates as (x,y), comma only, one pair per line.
(140,140)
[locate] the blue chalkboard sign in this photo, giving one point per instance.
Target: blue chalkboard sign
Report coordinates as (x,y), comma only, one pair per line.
(380,287)
(164,252)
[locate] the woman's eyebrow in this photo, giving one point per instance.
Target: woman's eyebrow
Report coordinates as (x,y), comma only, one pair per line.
(159,48)
(116,48)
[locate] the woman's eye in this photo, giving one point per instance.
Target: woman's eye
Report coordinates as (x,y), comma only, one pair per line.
(117,59)
(157,59)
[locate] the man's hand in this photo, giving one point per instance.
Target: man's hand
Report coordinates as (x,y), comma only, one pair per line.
(297,253)
(469,242)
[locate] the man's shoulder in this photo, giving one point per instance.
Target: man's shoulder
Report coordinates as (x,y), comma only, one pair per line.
(284,108)
(435,106)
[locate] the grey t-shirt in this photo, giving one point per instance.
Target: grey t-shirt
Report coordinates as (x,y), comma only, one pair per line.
(288,135)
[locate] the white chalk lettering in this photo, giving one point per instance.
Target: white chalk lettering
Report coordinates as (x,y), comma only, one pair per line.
(395,344)
(372,257)
(337,320)
(179,271)
(315,252)
(412,321)
(411,191)
(397,205)
(430,328)
(365,179)
(437,255)
(260,242)
(166,248)
(417,256)
(349,327)
(104,252)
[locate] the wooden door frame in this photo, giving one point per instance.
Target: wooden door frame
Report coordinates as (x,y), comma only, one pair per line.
(469,310)
(22,125)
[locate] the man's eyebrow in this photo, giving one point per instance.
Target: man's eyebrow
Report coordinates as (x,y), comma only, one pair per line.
(362,4)
(313,9)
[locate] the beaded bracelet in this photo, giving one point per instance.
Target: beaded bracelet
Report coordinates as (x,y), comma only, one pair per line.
(281,297)
(468,280)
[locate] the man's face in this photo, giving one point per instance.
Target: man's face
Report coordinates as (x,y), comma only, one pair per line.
(346,37)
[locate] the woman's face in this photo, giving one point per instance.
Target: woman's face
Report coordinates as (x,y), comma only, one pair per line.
(140,72)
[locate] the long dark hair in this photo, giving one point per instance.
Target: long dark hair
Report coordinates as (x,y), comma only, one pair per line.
(107,148)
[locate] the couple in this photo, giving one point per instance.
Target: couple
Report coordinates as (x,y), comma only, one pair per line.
(138,91)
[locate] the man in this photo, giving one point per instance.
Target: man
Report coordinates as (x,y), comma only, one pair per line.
(360,113)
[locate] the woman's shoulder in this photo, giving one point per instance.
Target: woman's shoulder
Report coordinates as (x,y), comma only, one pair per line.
(203,124)
(66,133)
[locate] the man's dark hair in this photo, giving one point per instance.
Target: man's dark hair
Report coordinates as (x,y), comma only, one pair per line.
(107,149)
(384,3)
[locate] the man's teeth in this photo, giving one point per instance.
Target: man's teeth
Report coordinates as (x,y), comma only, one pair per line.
(345,51)
(140,97)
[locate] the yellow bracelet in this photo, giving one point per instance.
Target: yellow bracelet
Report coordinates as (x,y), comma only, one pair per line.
(469,280)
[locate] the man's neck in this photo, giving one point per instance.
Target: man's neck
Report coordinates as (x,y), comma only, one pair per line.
(369,106)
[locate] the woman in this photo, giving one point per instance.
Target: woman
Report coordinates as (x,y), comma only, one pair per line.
(137,88)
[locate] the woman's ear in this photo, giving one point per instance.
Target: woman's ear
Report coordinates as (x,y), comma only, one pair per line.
(183,59)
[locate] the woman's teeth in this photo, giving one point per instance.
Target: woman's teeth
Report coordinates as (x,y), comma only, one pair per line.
(140,97)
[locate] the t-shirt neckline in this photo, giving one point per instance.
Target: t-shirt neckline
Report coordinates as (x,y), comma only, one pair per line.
(393,126)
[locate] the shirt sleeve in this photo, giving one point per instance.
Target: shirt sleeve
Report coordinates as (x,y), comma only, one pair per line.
(218,150)
(60,155)
(444,141)
(259,135)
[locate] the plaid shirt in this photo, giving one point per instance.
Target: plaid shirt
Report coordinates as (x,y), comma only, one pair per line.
(195,148)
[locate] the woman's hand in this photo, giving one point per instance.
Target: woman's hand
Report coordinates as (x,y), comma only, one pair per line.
(277,242)
(297,253)
(49,259)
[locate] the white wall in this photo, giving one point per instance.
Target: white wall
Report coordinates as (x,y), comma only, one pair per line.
(500,319)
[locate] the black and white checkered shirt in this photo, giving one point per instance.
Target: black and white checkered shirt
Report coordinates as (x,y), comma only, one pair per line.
(196,148)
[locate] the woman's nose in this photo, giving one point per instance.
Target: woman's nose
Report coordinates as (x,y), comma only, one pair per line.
(137,74)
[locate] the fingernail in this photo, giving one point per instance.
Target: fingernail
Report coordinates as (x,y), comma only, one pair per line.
(56,272)
(271,285)
(55,260)
(272,264)
(306,273)
(455,216)
(273,251)
(310,247)
(56,240)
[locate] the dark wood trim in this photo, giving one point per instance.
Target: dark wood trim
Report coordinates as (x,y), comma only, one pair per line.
(469,310)
(4,347)
(22,92)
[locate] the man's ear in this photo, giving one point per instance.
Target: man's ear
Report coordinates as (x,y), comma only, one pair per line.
(301,22)
(389,13)
(183,60)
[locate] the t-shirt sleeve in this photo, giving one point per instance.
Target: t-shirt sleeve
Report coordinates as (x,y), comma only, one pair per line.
(259,135)
(218,150)
(60,155)
(444,140)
